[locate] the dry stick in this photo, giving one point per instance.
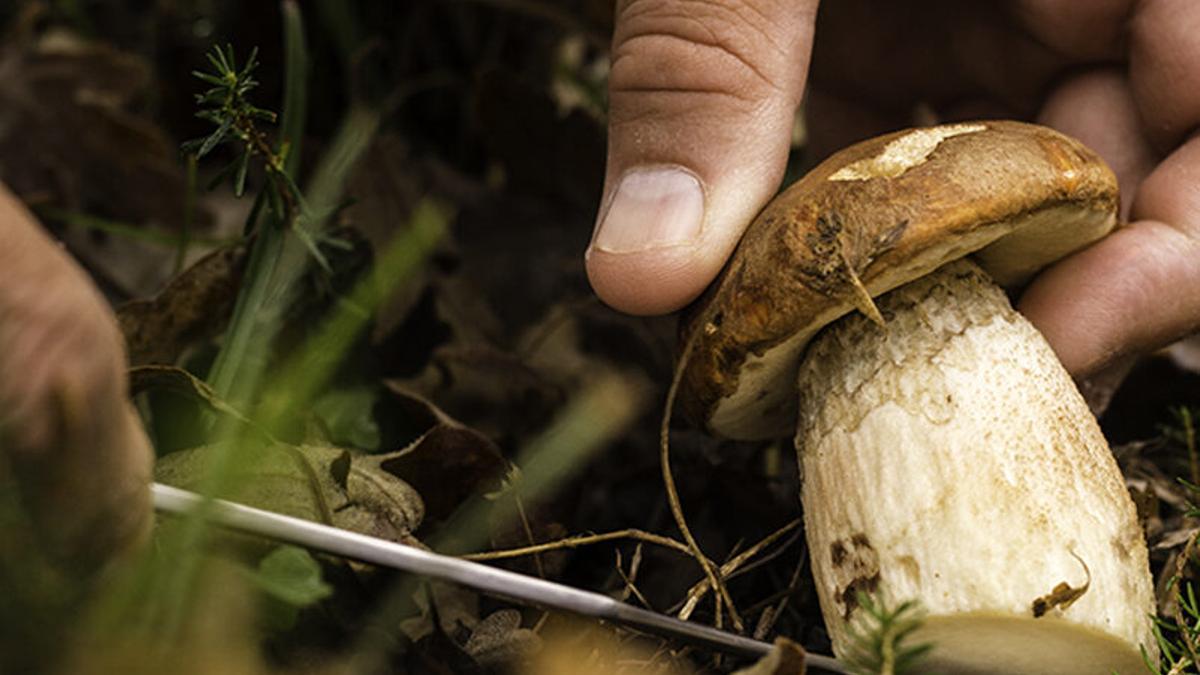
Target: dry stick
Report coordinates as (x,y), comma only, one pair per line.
(766,558)
(581,540)
(630,586)
(664,439)
(697,592)
(537,558)
(766,624)
(635,566)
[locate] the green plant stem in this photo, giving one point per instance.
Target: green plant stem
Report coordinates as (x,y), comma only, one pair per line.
(237,368)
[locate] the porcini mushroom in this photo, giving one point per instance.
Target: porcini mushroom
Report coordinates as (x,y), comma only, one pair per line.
(946,455)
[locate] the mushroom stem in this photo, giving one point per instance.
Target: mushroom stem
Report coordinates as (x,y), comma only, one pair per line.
(948,458)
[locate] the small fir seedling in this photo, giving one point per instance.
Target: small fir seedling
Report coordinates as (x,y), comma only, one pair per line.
(1178,637)
(1178,634)
(880,640)
(227,106)
(1182,431)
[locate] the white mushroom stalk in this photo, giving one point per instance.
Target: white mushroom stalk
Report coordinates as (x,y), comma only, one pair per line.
(947,457)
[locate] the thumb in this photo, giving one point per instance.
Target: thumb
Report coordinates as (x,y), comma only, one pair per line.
(702,100)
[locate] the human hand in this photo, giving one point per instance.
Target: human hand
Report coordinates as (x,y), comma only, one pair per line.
(703,95)
(73,455)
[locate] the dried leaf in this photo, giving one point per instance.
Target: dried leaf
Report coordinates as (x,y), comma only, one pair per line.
(444,608)
(492,390)
(180,381)
(308,482)
(194,306)
(499,640)
(448,462)
(785,658)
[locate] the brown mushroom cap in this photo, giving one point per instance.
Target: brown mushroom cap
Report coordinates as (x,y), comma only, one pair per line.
(885,211)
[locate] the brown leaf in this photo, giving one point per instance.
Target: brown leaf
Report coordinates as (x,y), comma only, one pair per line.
(180,381)
(455,609)
(449,462)
(194,306)
(492,390)
(499,640)
(785,658)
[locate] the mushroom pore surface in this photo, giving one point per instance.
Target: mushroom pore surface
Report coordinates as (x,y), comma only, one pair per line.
(948,458)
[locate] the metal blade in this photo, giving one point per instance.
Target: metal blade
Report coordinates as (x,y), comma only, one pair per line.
(480,577)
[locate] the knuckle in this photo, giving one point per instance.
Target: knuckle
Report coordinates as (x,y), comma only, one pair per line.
(701,47)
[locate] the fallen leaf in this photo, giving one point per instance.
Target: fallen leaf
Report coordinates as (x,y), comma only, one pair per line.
(324,484)
(499,640)
(180,381)
(448,609)
(448,462)
(194,306)
(785,658)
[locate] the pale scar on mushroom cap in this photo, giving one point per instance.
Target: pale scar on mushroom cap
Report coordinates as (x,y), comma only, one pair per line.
(888,210)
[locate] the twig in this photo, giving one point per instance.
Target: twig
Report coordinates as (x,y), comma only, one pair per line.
(537,558)
(766,558)
(697,592)
(581,540)
(630,586)
(635,566)
(664,437)
(765,625)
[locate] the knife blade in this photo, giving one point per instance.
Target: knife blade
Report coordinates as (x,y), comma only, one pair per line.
(489,580)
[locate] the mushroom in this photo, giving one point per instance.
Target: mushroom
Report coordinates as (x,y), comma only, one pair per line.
(946,455)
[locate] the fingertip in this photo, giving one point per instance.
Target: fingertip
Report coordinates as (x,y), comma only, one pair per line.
(703,99)
(649,282)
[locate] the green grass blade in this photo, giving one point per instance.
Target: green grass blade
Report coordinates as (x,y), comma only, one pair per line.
(295,87)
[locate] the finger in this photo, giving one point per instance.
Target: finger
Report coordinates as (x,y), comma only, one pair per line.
(702,103)
(1162,38)
(78,454)
(1083,32)
(1136,290)
(1164,68)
